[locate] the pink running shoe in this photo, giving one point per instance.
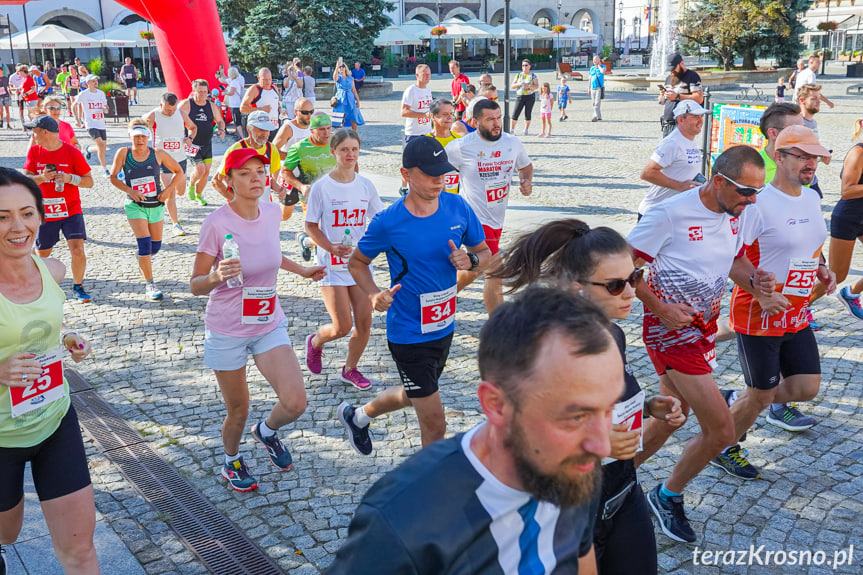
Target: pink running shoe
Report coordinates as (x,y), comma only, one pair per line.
(355,378)
(313,356)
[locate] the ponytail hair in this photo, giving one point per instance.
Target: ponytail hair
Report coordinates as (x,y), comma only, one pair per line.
(559,252)
(858,128)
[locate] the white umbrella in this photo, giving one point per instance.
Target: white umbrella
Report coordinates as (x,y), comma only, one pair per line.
(51,36)
(476,23)
(395,36)
(456,28)
(122,36)
(417,29)
(523,30)
(573,33)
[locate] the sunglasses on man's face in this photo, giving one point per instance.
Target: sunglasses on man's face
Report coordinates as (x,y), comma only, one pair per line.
(744,191)
(616,287)
(305,112)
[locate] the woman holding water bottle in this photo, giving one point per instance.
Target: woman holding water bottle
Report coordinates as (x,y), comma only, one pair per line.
(341,204)
(248,318)
(38,424)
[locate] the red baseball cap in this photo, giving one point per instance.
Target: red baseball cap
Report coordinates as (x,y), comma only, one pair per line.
(239,157)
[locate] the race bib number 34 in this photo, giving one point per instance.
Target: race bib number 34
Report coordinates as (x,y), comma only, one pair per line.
(437,309)
(801,277)
(259,305)
(47,388)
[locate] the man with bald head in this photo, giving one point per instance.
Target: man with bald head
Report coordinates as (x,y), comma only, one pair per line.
(263,96)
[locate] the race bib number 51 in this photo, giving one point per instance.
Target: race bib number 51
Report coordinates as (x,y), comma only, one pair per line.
(437,309)
(48,386)
(801,277)
(259,305)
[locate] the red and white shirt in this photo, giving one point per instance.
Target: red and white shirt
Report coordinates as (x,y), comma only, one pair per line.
(338,207)
(419,100)
(784,235)
(95,104)
(690,250)
(69,160)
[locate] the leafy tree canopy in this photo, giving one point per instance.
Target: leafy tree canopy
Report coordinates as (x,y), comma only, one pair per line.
(269,32)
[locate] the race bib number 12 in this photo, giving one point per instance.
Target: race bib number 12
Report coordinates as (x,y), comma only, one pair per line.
(48,386)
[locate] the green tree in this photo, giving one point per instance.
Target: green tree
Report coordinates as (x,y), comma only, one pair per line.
(746,28)
(271,31)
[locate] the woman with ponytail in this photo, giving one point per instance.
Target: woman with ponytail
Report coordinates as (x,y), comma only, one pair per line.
(597,263)
(846,227)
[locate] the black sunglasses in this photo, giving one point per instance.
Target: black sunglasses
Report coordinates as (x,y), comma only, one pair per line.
(616,287)
(305,112)
(744,191)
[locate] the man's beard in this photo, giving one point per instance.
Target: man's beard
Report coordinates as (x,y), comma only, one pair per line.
(558,488)
(488,136)
(258,143)
(812,111)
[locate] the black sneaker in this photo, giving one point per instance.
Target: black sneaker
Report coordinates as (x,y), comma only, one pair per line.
(280,457)
(672,520)
(734,463)
(357,436)
(305,249)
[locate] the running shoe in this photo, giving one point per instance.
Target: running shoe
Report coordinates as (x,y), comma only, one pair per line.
(525,132)
(790,418)
(812,323)
(202,201)
(153,292)
(671,517)
(87,153)
(851,301)
(734,463)
(190,193)
(178,230)
(355,378)
(357,436)
(302,240)
(107,172)
(238,476)
(83,297)
(280,457)
(313,356)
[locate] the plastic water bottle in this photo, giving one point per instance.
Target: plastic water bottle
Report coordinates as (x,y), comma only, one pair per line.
(59,184)
(230,250)
(347,239)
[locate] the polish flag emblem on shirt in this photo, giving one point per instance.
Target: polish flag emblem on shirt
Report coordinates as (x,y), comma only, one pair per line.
(735,225)
(695,234)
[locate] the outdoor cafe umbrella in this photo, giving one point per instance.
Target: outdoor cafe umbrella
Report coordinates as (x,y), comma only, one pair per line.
(122,36)
(416,28)
(456,28)
(523,30)
(20,3)
(53,37)
(395,36)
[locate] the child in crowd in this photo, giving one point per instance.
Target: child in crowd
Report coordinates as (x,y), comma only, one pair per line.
(545,104)
(780,90)
(562,98)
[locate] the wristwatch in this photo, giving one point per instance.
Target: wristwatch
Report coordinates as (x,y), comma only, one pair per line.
(474,261)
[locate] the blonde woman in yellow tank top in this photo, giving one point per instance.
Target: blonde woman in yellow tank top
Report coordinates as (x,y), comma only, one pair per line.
(37,422)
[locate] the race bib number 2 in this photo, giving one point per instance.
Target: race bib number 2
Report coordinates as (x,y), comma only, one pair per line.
(48,386)
(437,310)
(801,277)
(259,305)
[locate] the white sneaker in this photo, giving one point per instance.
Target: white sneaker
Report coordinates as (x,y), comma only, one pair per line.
(178,230)
(154,293)
(525,132)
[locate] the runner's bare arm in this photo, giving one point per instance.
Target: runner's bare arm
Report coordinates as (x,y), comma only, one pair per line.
(672,315)
(314,273)
(851,172)
(587,563)
(525,176)
(205,278)
(220,121)
(358,265)
(652,174)
(321,240)
(290,178)
(178,180)
(116,166)
(282,136)
(246,104)
(408,113)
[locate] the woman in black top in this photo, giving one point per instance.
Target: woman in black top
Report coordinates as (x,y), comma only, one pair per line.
(598,263)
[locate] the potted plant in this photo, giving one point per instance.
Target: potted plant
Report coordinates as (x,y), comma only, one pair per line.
(558,29)
(438,31)
(391,65)
(118,102)
(606,58)
(495,66)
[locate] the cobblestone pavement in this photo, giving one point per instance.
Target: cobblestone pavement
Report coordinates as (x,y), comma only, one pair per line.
(147,364)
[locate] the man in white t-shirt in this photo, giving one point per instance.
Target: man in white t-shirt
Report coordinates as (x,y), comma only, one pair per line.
(693,243)
(675,164)
(91,104)
(809,76)
(487,159)
(416,101)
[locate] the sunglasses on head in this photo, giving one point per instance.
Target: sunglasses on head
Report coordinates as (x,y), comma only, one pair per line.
(744,191)
(616,287)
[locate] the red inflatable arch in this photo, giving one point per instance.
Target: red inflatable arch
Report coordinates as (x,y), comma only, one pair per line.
(188,34)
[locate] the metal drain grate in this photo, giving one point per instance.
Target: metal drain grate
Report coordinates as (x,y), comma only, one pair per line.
(219,544)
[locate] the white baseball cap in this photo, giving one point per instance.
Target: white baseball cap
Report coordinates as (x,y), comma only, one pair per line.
(690,107)
(89,77)
(260,119)
(139,131)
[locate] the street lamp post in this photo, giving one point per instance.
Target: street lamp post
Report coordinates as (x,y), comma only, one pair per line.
(437,42)
(559,6)
(620,23)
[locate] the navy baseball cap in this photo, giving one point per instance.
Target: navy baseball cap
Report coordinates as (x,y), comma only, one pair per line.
(673,60)
(428,155)
(43,122)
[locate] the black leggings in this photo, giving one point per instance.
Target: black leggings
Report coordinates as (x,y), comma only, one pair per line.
(626,544)
(525,103)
